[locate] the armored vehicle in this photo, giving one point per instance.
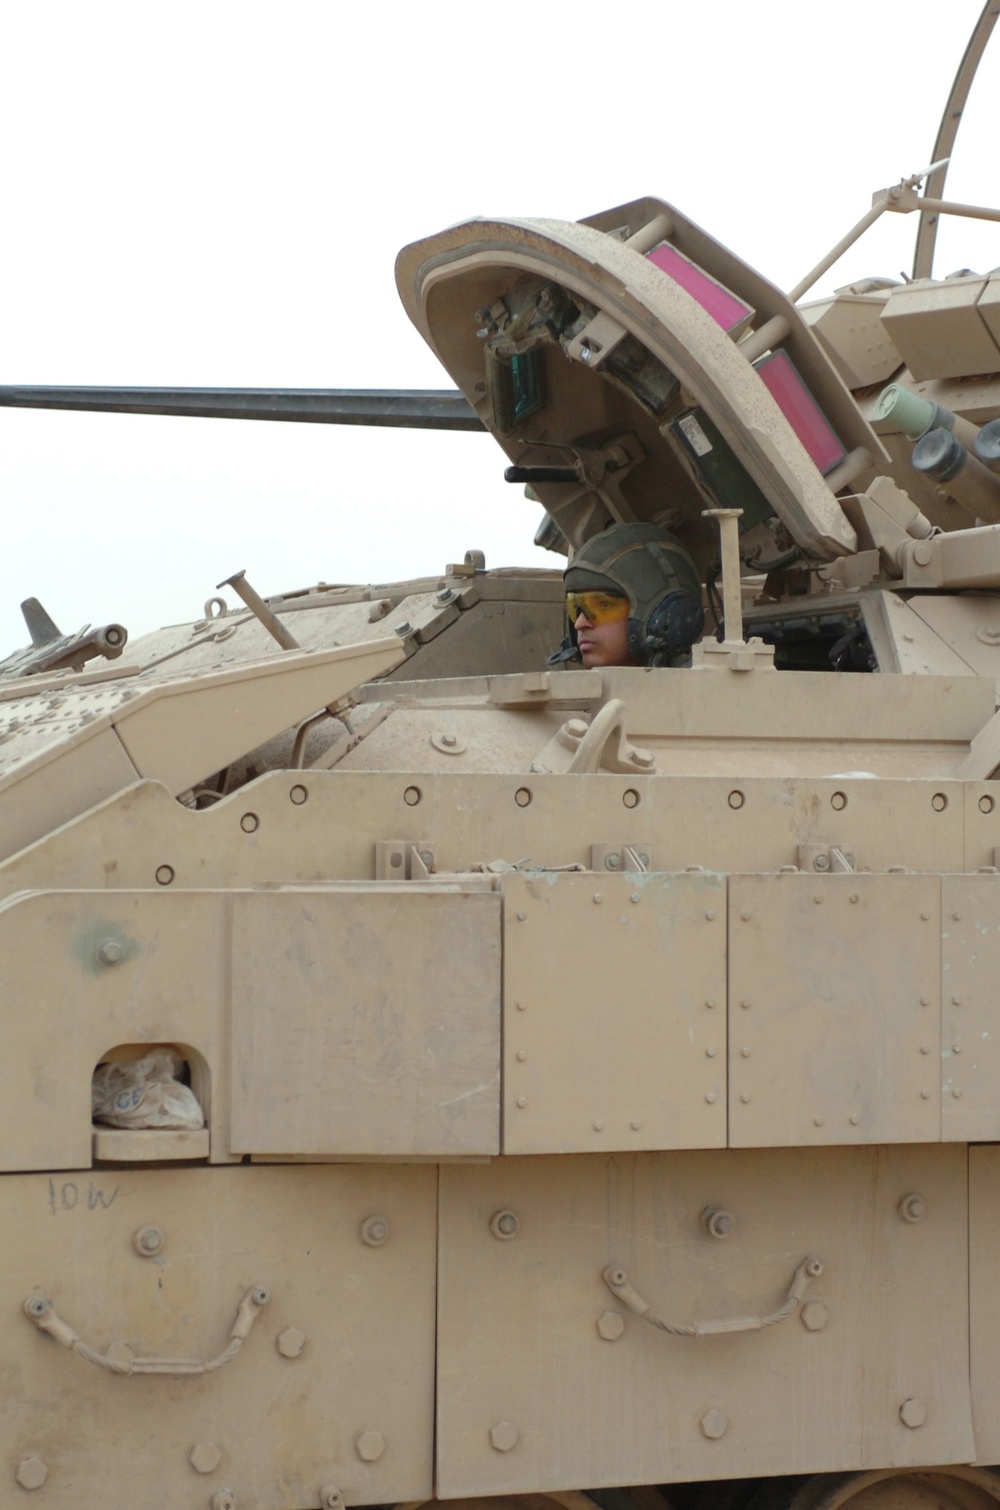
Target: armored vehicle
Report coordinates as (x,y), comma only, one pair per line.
(430,1073)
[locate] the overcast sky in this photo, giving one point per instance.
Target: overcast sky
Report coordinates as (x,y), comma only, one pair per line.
(214,193)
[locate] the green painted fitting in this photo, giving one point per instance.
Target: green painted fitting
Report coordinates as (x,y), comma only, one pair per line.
(913,415)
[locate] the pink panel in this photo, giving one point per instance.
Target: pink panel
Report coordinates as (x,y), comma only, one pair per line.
(781,378)
(725,308)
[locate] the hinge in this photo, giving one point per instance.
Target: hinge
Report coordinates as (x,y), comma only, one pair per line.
(634,858)
(827,859)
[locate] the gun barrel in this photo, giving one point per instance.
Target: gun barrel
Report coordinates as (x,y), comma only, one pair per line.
(406,408)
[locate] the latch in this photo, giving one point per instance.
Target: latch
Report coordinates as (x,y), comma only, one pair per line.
(404,860)
(827,859)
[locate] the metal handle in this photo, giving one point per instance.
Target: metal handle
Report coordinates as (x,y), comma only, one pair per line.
(618,1283)
(41,1312)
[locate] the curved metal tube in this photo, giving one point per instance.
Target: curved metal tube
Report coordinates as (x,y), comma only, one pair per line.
(41,1312)
(618,1283)
(923,255)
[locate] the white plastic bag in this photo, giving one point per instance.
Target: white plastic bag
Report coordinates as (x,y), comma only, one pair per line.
(144,1093)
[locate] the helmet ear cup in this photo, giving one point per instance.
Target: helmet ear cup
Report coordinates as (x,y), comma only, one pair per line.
(673,626)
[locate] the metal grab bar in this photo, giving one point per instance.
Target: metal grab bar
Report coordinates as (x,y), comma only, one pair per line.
(618,1283)
(41,1312)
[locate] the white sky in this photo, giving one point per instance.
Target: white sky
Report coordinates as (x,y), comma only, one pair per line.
(214,192)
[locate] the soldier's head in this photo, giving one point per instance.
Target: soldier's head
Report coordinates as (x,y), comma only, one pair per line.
(633,598)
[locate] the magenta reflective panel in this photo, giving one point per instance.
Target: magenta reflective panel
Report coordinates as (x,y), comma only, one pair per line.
(781,379)
(726,310)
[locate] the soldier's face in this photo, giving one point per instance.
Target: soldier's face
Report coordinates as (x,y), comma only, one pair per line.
(603,644)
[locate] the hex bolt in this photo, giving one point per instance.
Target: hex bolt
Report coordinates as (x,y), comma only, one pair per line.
(821,862)
(205,1457)
(713,1424)
(31,1473)
(223,1499)
(613,861)
(331,1498)
(148,1241)
(611,1325)
(814,1316)
(290,1342)
(504,1225)
(503,1436)
(374,1231)
(370,1446)
(913,1412)
(716,1222)
(912,1208)
(110,952)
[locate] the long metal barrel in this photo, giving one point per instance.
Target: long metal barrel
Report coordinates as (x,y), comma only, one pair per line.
(407,408)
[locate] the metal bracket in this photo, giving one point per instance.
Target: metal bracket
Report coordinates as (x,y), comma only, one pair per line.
(633,858)
(827,859)
(404,860)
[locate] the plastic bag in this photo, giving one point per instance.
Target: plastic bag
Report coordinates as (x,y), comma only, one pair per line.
(144,1093)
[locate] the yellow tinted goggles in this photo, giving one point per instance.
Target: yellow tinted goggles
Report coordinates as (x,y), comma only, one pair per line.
(596,607)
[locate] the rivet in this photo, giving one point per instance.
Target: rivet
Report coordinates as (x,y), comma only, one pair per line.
(716,1222)
(814,1316)
(912,1208)
(745,916)
(611,1325)
(249,823)
(164,875)
(818,901)
(745,1004)
(956,1048)
(598,897)
(925,1001)
(331,1498)
(635,897)
(148,1241)
(635,1124)
(204,1457)
(925,1095)
(854,897)
(374,1231)
(522,1102)
(710,1001)
(522,797)
(449,739)
(411,796)
(370,1446)
(521,1056)
(504,1225)
(956,1001)
(854,1119)
(223,1499)
(503,1436)
(298,794)
(290,1342)
(598,1126)
(956,916)
(925,916)
(31,1473)
(818,1121)
(710,1052)
(745,1098)
(713,1424)
(110,952)
(745,1051)
(925,1048)
(913,1412)
(710,914)
(710,1097)
(522,1006)
(522,917)
(956,1091)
